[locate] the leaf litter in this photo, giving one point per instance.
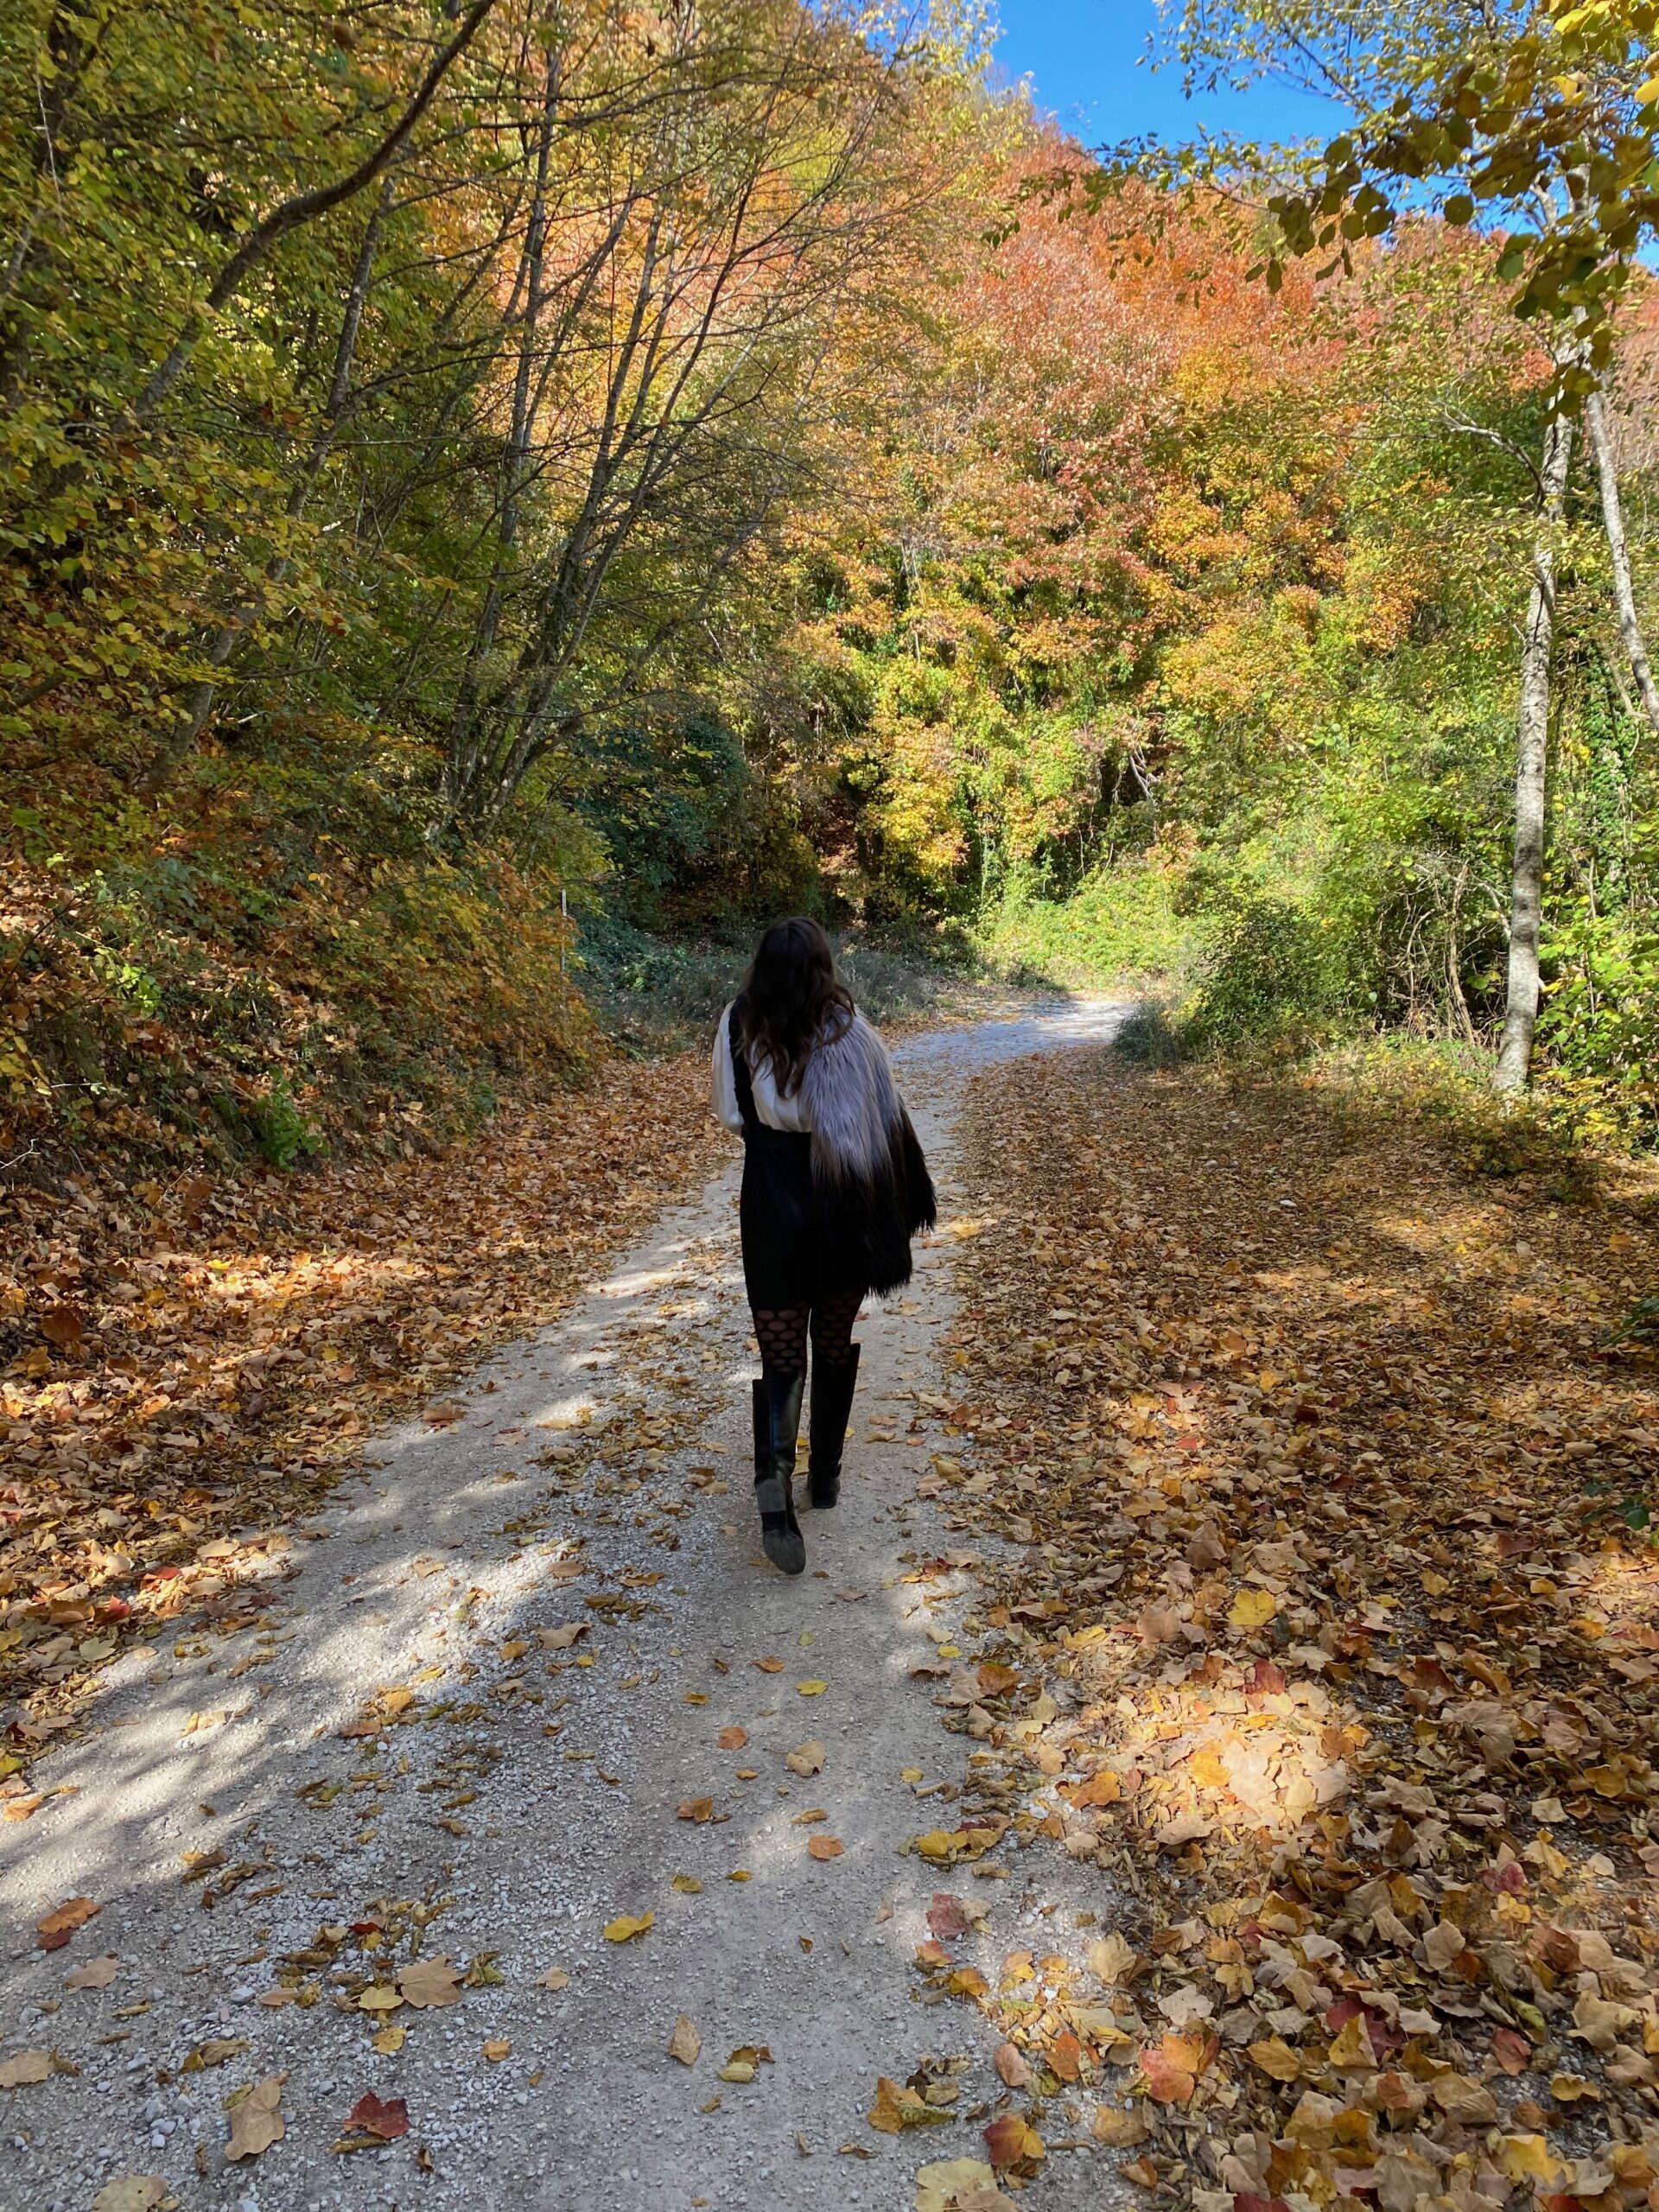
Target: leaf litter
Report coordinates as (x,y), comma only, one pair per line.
(1326,1628)
(188,1366)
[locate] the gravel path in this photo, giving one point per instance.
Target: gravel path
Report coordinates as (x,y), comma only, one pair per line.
(502,1792)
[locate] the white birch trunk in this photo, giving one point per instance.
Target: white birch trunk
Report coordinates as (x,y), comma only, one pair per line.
(1531,764)
(1613,515)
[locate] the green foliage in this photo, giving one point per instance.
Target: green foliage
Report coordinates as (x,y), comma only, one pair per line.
(284,1134)
(1271,973)
(1119,929)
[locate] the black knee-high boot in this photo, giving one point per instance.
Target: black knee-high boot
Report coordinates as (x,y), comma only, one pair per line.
(777,1428)
(832,1401)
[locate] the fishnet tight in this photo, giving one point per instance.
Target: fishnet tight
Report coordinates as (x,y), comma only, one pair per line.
(781,1332)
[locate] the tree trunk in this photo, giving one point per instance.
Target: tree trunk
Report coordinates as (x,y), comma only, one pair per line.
(1612,515)
(1531,762)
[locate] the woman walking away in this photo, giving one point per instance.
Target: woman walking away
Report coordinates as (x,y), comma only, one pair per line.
(834,1186)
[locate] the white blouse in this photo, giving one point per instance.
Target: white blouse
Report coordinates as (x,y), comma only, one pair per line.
(776,1112)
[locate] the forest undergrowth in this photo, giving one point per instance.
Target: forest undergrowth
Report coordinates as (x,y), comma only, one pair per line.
(1329,1624)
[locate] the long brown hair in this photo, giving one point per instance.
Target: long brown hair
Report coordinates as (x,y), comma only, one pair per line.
(790,1000)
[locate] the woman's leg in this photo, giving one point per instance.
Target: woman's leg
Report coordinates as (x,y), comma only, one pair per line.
(780,1331)
(834,1377)
(833,1321)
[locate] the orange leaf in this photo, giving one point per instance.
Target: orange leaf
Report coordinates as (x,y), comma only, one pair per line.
(55,1931)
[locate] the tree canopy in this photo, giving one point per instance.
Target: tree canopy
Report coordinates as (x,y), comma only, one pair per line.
(682,463)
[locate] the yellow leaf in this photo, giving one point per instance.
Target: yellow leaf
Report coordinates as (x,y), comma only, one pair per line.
(1276,2058)
(812,1689)
(627,1926)
(390,2041)
(498,2049)
(1528,2157)
(1252,1608)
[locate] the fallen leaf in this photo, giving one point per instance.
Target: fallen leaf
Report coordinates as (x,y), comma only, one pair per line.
(1252,1608)
(25,2068)
(390,2041)
(1011,2066)
(1462,2099)
(948,1918)
(733,1739)
(947,2185)
(685,2042)
(1012,2141)
(1171,2068)
(806,1759)
(823,1846)
(63,1325)
(694,1808)
(769,1665)
(59,1925)
(1119,2131)
(898,2105)
(497,2048)
(97,1973)
(627,1926)
(1275,2058)
(216,2051)
(257,2120)
(1530,2158)
(1113,1959)
(428,1983)
(131,2193)
(555,1978)
(811,1688)
(388,2120)
(561,1638)
(743,2063)
(688,1886)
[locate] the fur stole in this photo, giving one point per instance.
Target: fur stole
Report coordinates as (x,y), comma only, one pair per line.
(864,1148)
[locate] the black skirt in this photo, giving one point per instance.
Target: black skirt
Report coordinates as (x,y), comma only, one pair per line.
(800,1246)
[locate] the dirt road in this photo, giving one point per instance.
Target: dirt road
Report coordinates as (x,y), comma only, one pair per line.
(570,1689)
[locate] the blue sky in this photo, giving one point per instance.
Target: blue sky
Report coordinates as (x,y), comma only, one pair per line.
(1085,58)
